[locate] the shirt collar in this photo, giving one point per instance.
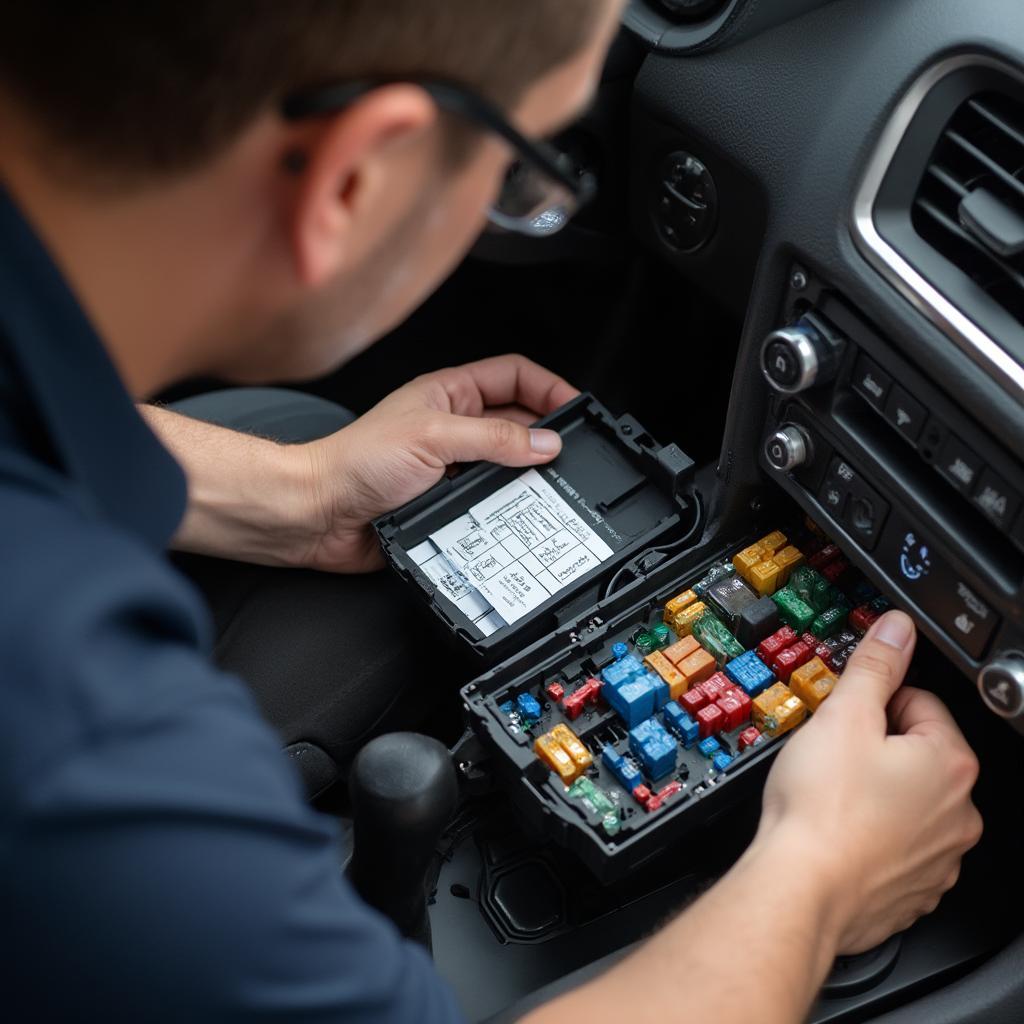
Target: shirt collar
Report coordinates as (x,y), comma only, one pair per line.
(96,433)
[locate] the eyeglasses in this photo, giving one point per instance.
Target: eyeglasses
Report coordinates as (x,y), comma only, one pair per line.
(543,188)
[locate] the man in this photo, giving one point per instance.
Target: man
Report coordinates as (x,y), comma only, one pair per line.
(216,206)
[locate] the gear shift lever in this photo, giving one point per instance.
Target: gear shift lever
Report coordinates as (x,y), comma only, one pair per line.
(403,795)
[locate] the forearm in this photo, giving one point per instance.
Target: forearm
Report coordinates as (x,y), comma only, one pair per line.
(757,946)
(248,497)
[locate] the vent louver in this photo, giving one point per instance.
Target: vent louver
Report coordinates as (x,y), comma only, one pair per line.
(982,149)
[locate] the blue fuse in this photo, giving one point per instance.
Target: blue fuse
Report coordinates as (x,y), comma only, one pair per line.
(625,668)
(680,723)
(634,701)
(654,747)
(721,761)
(709,746)
(662,695)
(749,673)
(619,650)
(625,771)
(528,706)
(508,708)
(673,716)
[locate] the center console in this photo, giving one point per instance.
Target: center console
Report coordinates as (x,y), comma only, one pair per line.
(923,499)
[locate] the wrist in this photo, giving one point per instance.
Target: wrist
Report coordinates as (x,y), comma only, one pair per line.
(812,885)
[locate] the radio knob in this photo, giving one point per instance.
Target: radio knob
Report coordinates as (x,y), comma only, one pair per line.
(798,357)
(1001,684)
(788,448)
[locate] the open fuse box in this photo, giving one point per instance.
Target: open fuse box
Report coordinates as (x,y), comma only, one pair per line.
(617,736)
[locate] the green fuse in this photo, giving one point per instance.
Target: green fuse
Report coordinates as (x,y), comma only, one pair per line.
(661,634)
(793,610)
(645,643)
(611,824)
(595,800)
(829,622)
(713,635)
(810,586)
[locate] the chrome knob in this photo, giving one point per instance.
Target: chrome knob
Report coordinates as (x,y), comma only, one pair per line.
(799,356)
(788,448)
(1001,684)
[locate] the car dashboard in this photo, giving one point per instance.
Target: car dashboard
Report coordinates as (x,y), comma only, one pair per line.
(847,178)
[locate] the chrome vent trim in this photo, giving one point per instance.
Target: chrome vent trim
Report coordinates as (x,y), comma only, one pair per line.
(952,321)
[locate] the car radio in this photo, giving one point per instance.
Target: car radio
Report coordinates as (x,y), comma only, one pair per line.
(929,504)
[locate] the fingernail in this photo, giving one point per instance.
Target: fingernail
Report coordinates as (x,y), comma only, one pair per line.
(895,629)
(545,442)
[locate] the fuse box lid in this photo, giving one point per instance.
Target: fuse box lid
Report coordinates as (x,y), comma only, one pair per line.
(550,538)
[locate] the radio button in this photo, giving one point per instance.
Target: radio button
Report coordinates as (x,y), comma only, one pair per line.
(905,413)
(871,383)
(997,499)
(959,465)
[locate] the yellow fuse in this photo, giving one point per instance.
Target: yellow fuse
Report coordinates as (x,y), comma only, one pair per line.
(747,559)
(813,682)
(764,577)
(789,714)
(550,751)
(762,713)
(683,622)
(675,679)
(573,746)
(787,560)
(681,649)
(773,542)
(678,603)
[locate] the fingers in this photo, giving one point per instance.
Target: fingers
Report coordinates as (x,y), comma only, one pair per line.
(503,380)
(913,711)
(515,413)
(878,666)
(470,438)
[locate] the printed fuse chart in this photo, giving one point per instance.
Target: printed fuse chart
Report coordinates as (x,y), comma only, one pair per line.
(510,552)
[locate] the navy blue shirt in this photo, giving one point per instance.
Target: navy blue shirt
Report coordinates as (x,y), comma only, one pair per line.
(157,858)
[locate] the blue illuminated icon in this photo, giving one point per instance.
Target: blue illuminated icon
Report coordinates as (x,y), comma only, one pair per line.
(915,560)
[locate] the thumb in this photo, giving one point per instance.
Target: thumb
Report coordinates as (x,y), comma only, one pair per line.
(472,438)
(878,666)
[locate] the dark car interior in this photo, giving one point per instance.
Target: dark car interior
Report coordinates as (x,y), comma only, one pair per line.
(807,253)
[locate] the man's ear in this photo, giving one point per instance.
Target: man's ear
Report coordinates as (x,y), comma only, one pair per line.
(351,161)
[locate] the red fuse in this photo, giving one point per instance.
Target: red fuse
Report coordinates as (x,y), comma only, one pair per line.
(744,702)
(555,691)
(732,711)
(810,639)
(710,720)
(586,695)
(693,700)
(715,686)
(862,617)
(749,737)
(791,658)
(642,795)
(662,795)
(821,558)
(778,641)
(835,569)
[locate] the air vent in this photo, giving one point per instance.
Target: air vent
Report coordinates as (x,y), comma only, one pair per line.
(969,206)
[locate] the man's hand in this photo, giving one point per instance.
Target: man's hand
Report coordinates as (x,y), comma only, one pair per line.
(867,812)
(405,444)
(876,792)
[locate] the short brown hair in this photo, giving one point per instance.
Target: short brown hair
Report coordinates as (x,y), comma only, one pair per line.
(144,88)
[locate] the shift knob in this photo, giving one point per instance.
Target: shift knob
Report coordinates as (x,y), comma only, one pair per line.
(404,793)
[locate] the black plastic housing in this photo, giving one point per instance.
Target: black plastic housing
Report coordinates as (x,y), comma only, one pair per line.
(629,489)
(539,797)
